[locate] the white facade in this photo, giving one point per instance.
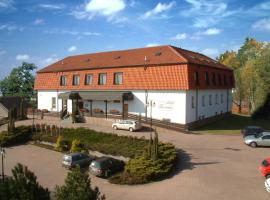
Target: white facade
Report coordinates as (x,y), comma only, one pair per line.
(176,106)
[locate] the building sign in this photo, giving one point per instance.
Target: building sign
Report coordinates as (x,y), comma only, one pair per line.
(166,105)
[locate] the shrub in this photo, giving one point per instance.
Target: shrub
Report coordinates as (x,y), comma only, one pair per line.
(20,135)
(61,144)
(76,146)
(143,169)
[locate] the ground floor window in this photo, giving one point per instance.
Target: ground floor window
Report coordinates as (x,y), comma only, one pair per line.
(53,103)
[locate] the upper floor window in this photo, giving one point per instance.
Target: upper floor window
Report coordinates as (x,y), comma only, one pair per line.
(76,79)
(206,78)
(102,78)
(214,79)
(196,78)
(63,80)
(118,78)
(203,101)
(219,79)
(225,79)
(88,79)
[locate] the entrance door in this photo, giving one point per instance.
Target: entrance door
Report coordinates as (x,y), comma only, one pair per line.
(125,111)
(64,104)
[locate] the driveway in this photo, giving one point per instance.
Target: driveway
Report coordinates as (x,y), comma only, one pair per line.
(210,167)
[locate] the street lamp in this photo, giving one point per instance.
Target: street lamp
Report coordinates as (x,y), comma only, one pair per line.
(3,152)
(151,104)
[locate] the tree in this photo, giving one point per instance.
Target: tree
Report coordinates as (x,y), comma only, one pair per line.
(77,187)
(20,82)
(23,185)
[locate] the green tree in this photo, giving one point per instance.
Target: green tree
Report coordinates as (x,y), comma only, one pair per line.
(20,82)
(23,185)
(77,187)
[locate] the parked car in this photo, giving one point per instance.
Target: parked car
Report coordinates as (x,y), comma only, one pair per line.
(251,130)
(73,159)
(261,139)
(130,125)
(267,184)
(265,168)
(106,166)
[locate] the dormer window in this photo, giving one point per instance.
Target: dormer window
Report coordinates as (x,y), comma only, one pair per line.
(196,78)
(76,79)
(63,81)
(102,78)
(206,78)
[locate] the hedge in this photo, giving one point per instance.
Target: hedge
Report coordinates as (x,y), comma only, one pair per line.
(20,135)
(142,169)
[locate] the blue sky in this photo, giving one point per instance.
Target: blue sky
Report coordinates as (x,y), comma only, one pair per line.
(44,31)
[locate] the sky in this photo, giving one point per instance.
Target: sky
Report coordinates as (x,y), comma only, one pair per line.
(43,32)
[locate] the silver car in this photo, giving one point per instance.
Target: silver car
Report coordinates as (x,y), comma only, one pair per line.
(73,159)
(130,125)
(261,139)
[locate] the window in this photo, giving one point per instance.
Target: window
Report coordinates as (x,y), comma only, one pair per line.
(196,78)
(210,99)
(225,79)
(214,79)
(219,79)
(118,78)
(203,102)
(102,78)
(206,78)
(216,98)
(88,79)
(63,80)
(192,102)
(76,79)
(53,103)
(221,98)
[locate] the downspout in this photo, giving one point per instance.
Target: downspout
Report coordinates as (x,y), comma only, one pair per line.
(146,100)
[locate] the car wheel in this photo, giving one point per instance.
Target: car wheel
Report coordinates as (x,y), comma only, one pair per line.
(131,129)
(253,144)
(267,176)
(115,127)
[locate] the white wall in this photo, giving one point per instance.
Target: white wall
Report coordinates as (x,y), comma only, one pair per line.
(208,110)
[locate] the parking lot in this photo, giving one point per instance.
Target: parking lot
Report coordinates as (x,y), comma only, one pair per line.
(210,167)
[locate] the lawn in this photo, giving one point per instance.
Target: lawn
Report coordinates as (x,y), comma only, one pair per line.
(231,125)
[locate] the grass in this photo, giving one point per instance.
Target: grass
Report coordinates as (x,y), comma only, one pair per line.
(231,125)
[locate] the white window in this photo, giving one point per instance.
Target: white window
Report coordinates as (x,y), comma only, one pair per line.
(76,79)
(118,78)
(88,79)
(210,99)
(102,78)
(221,98)
(203,101)
(216,98)
(63,80)
(53,103)
(192,102)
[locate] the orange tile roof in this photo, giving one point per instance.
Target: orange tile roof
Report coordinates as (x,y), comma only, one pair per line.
(159,55)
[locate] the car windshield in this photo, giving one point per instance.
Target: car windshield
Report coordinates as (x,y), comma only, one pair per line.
(67,158)
(259,135)
(265,163)
(95,164)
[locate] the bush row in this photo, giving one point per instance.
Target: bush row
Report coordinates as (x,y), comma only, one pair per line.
(20,135)
(143,169)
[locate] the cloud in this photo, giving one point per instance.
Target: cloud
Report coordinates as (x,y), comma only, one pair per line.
(22,57)
(6,3)
(72,48)
(11,27)
(210,52)
(263,25)
(159,8)
(210,31)
(104,8)
(207,13)
(38,21)
(70,32)
(52,6)
(180,36)
(152,44)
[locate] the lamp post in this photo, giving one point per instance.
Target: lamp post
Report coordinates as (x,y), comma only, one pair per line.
(151,104)
(2,155)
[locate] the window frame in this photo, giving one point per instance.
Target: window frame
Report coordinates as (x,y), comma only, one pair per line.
(99,79)
(115,75)
(210,99)
(85,79)
(214,81)
(53,102)
(219,80)
(203,101)
(206,77)
(63,83)
(74,81)
(196,78)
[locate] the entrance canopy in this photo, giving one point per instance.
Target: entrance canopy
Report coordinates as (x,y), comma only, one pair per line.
(98,95)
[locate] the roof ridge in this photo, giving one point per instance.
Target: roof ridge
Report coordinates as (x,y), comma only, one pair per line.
(177,53)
